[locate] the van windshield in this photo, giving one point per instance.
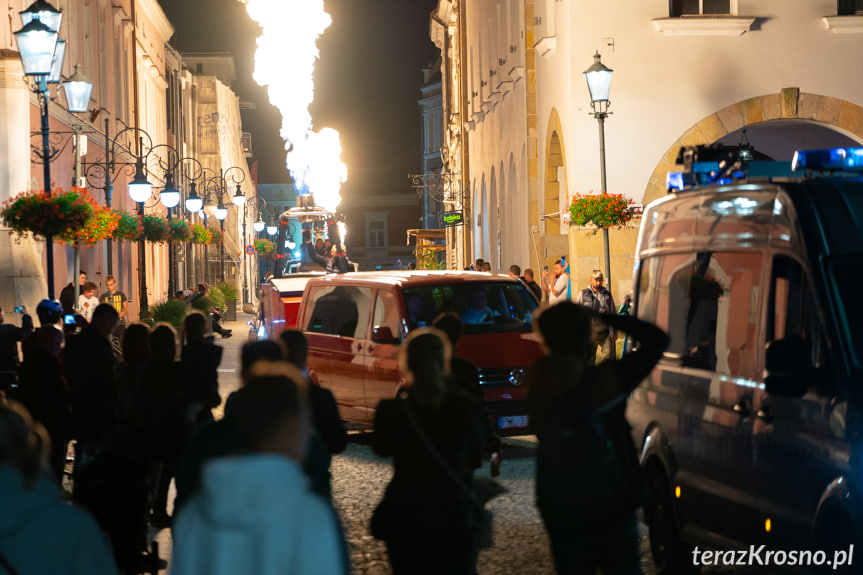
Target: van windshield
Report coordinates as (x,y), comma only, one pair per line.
(491,307)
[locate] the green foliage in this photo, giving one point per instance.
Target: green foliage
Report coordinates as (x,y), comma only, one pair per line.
(427,259)
(181,231)
(156,228)
(215,236)
(203,303)
(217,298)
(602,211)
(201,234)
(128,228)
(264,248)
(229,291)
(45,215)
(169,311)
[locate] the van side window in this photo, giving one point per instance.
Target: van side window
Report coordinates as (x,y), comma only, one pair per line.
(791,311)
(387,312)
(708,303)
(340,310)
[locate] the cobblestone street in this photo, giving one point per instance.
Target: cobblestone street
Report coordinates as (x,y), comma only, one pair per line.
(360,477)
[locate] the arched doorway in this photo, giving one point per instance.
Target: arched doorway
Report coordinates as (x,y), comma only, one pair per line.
(775,124)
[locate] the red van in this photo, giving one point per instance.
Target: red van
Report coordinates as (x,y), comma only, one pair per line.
(356,322)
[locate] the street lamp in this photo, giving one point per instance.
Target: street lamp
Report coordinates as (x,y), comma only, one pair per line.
(272,228)
(599,83)
(77,88)
(42,53)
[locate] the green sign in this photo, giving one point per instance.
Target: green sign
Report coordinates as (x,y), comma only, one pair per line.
(448,219)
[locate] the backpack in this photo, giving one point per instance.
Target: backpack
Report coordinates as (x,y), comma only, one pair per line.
(586,460)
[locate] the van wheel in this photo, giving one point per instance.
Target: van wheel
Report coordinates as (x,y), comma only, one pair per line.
(671,556)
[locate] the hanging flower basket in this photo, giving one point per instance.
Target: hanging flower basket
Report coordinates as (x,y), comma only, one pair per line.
(40,214)
(181,231)
(201,234)
(215,236)
(128,228)
(156,228)
(265,248)
(99,227)
(602,211)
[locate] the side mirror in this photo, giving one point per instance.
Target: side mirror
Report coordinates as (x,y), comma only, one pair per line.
(383,334)
(787,367)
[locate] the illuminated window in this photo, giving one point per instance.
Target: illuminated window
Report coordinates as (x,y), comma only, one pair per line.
(701,7)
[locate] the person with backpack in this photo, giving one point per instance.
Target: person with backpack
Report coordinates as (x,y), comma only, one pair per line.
(588,482)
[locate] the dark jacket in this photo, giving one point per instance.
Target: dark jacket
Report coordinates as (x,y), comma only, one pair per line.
(67,298)
(421,493)
(552,376)
(200,361)
(89,366)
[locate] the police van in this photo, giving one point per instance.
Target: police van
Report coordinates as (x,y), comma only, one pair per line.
(750,425)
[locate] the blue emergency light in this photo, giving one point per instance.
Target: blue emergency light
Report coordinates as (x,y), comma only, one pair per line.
(828,160)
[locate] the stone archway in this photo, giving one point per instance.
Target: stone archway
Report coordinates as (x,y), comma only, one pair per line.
(789,104)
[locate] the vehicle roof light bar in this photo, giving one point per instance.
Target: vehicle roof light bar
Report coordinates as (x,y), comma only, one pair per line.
(830,160)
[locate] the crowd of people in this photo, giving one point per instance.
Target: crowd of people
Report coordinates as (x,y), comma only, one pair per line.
(253,488)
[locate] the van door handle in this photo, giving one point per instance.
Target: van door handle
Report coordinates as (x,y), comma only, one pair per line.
(741,409)
(764,414)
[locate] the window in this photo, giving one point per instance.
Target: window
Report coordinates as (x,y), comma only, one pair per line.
(709,305)
(339,310)
(376,230)
(493,307)
(850,7)
(700,7)
(387,313)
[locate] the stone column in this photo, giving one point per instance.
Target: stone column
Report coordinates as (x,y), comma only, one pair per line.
(22,279)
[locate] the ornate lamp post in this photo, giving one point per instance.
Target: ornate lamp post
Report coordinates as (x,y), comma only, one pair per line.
(42,53)
(599,83)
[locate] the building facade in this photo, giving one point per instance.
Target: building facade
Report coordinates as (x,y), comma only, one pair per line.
(685,73)
(144,98)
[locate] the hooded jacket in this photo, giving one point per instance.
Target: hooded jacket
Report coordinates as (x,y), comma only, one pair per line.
(41,533)
(256,515)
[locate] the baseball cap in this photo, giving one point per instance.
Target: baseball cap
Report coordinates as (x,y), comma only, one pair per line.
(597,275)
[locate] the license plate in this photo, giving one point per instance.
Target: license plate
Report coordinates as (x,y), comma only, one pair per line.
(510,421)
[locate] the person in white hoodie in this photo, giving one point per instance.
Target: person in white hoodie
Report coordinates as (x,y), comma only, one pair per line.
(255,513)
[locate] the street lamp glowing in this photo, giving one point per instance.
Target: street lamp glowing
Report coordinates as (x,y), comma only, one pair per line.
(272,228)
(598,80)
(44,12)
(210,207)
(259,225)
(221,212)
(36,43)
(170,196)
(194,203)
(78,88)
(239,199)
(140,189)
(57,66)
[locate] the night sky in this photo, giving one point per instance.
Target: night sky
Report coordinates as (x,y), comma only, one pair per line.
(367,83)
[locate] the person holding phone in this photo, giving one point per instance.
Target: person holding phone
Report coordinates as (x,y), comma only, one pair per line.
(559,284)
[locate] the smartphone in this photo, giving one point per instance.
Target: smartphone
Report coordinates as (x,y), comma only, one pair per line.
(69,319)
(20,309)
